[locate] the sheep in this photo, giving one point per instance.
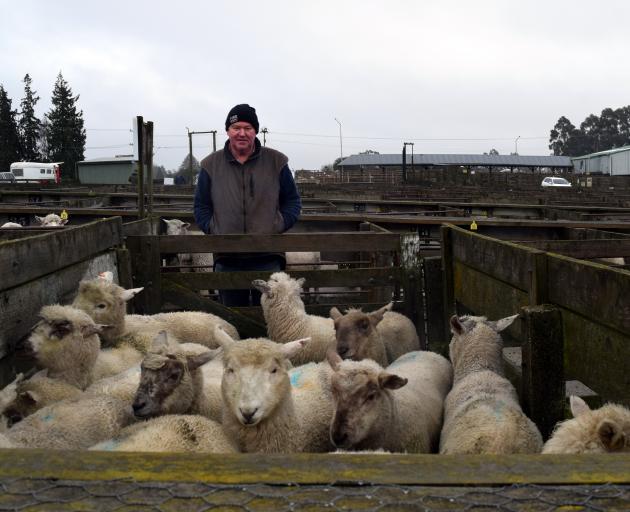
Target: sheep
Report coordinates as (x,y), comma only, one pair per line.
(66,342)
(263,411)
(171,382)
(37,392)
(603,430)
(481,412)
(8,396)
(52,219)
(201,262)
(382,335)
(171,433)
(287,319)
(105,302)
(70,424)
(397,408)
(11,225)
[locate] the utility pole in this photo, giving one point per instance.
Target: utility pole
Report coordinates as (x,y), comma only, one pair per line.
(190,154)
(516,145)
(264,131)
(405,144)
(340,139)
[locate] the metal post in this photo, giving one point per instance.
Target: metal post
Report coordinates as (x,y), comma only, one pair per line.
(148,144)
(140,130)
(516,145)
(214,141)
(190,166)
(340,139)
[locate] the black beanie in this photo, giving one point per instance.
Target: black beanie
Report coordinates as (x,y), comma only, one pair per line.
(242,113)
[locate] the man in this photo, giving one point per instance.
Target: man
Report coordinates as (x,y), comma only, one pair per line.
(245,188)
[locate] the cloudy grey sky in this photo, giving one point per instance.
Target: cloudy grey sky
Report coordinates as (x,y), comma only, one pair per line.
(450,76)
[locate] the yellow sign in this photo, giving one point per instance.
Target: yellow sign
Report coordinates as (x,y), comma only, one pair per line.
(64,215)
(473,226)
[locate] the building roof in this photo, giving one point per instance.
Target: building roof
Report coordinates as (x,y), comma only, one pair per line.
(108,160)
(484,160)
(601,153)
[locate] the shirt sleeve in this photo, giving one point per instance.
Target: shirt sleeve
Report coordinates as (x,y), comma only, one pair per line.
(203,208)
(290,202)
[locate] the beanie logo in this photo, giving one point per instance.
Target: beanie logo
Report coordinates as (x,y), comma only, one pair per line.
(233,119)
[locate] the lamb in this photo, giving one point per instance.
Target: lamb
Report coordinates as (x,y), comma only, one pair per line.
(105,302)
(481,413)
(52,219)
(201,262)
(171,433)
(603,430)
(11,225)
(70,424)
(287,319)
(267,410)
(171,382)
(397,409)
(382,335)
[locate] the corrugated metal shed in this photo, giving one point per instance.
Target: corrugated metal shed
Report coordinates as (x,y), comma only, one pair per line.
(437,160)
(615,162)
(106,171)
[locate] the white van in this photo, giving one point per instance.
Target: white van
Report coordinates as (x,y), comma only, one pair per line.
(36,172)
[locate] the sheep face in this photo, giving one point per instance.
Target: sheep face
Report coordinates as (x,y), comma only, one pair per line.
(52,219)
(63,330)
(255,380)
(353,331)
(360,396)
(176,227)
(280,287)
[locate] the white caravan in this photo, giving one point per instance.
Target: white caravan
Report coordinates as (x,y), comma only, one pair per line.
(36,172)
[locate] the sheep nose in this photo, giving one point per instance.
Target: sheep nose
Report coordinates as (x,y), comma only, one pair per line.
(343,351)
(339,438)
(248,415)
(138,405)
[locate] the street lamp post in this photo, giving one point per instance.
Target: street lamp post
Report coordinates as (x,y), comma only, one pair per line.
(340,139)
(516,145)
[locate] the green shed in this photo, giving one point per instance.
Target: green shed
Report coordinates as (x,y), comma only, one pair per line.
(106,171)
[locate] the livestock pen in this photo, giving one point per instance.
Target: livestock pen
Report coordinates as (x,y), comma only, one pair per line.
(475,273)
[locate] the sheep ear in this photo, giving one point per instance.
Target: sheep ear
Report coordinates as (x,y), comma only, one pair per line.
(131,293)
(159,342)
(334,359)
(301,281)
(377,316)
(31,397)
(40,220)
(186,225)
(391,381)
(41,374)
(88,330)
(578,406)
(611,436)
(504,323)
(195,362)
(293,347)
(456,326)
(222,337)
(335,313)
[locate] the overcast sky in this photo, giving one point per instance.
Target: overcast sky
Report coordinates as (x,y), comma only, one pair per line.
(450,76)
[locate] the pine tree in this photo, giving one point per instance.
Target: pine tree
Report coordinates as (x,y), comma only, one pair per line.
(66,134)
(29,125)
(9,139)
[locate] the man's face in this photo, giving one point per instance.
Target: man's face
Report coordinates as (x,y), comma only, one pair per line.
(241,135)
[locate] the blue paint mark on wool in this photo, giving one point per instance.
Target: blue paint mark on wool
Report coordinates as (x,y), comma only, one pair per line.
(109,445)
(48,417)
(295,375)
(409,356)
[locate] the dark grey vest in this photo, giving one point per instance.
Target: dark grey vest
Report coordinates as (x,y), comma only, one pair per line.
(245,197)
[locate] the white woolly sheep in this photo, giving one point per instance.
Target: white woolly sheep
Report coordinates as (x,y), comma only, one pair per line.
(71,424)
(398,408)
(603,430)
(8,396)
(171,382)
(482,413)
(52,219)
(261,410)
(105,302)
(171,433)
(287,319)
(65,341)
(381,335)
(201,262)
(10,225)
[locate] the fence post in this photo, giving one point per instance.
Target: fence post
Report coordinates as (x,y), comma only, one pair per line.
(543,388)
(410,262)
(437,337)
(145,262)
(448,276)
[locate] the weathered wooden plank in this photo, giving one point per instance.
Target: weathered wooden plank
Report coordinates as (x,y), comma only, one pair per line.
(597,356)
(31,257)
(326,469)
(543,367)
(355,241)
(592,290)
(438,338)
(19,306)
(484,295)
(584,249)
(503,260)
(145,258)
(367,277)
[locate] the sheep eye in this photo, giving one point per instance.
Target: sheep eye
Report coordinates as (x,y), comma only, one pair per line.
(229,370)
(370,397)
(101,306)
(275,370)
